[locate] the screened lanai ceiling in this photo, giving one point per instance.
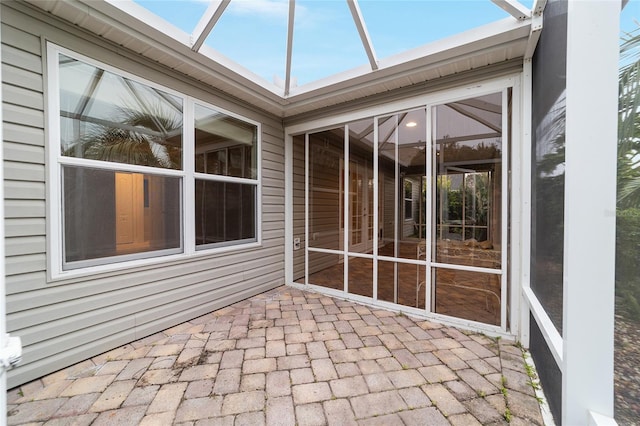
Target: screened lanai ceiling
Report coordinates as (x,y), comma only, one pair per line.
(290,57)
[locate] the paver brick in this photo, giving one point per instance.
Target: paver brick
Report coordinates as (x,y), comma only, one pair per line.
(163,362)
(198,408)
(111,367)
(526,407)
(424,416)
(252,382)
(376,404)
(255,418)
(480,350)
(406,358)
(391,341)
(477,382)
(278,384)
(348,387)
(374,352)
(346,355)
(347,369)
(123,416)
(301,375)
(165,350)
(450,359)
(243,402)
(168,398)
(310,415)
(259,366)
(390,364)
(199,372)
(254,353)
(414,397)
(378,382)
(227,381)
(113,396)
(483,411)
(443,399)
(165,418)
(141,395)
(76,405)
(461,390)
(88,385)
(275,348)
(296,349)
(280,411)
(317,350)
(311,392)
(81,420)
(388,420)
(517,381)
(406,378)
(323,369)
(293,361)
(199,388)
(339,413)
(437,373)
(36,411)
(465,419)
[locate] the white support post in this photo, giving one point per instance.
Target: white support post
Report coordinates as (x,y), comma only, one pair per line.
(590,205)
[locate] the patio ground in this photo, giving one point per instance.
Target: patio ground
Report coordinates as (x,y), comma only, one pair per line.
(288,357)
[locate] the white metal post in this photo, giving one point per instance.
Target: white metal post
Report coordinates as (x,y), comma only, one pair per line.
(590,204)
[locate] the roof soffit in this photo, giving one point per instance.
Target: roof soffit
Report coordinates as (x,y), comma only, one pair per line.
(158,40)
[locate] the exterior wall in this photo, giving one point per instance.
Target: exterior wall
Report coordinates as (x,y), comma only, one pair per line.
(65,321)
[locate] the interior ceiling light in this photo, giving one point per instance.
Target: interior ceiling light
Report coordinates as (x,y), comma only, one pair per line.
(411,124)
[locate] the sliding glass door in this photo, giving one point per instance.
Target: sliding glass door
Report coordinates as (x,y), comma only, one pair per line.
(409,208)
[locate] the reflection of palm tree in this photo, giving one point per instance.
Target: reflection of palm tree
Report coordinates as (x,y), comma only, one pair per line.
(629,122)
(140,138)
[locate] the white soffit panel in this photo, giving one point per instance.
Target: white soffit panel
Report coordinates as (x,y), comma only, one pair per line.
(130,25)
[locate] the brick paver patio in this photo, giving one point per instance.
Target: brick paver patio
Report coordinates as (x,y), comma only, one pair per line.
(288,357)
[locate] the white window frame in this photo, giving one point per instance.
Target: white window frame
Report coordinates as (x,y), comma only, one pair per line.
(55,162)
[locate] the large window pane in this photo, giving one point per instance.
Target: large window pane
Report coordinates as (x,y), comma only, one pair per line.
(326,186)
(468,177)
(402,171)
(225,145)
(110,213)
(104,116)
(225,212)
